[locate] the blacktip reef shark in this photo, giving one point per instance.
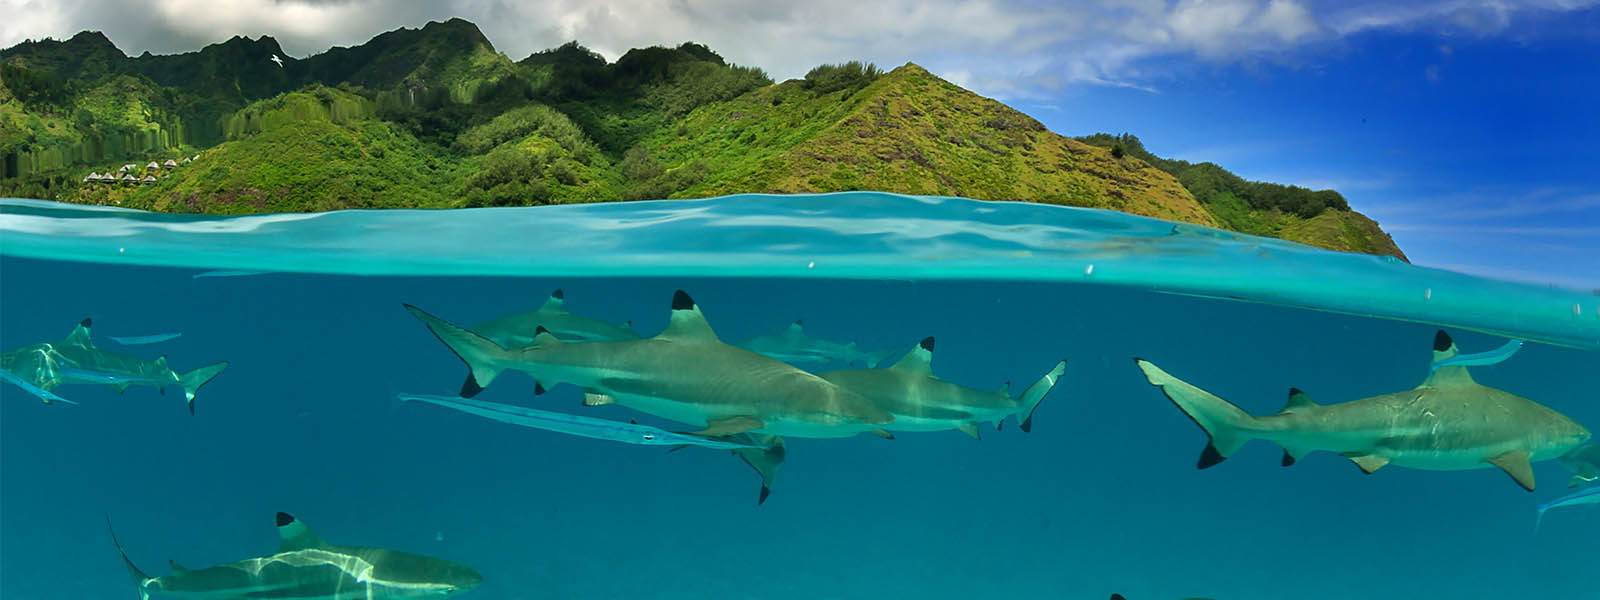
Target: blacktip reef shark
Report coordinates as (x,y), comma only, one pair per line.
(921,401)
(516,331)
(307,568)
(1450,422)
(578,425)
(793,346)
(76,360)
(1588,495)
(1584,461)
(685,374)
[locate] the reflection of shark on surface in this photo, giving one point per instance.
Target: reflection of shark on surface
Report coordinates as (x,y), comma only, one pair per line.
(685,374)
(1450,422)
(793,346)
(307,568)
(921,401)
(516,331)
(76,360)
(1584,462)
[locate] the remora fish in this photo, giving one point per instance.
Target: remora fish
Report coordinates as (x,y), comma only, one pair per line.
(77,360)
(1450,422)
(516,331)
(1589,495)
(793,346)
(1584,461)
(921,401)
(685,374)
(307,568)
(589,427)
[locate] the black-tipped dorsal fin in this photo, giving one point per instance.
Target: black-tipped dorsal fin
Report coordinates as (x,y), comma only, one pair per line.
(294,535)
(1298,400)
(686,321)
(919,360)
(543,337)
(1444,348)
(80,334)
(556,303)
(798,326)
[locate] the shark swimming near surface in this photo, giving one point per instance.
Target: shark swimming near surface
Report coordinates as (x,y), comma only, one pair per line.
(1450,422)
(793,346)
(578,425)
(1584,461)
(921,401)
(516,331)
(76,360)
(307,568)
(685,374)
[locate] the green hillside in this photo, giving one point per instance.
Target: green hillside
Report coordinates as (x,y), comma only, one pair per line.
(435,117)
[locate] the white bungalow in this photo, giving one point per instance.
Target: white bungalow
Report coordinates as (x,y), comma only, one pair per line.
(128,167)
(129,178)
(148,179)
(170,164)
(152,166)
(92,176)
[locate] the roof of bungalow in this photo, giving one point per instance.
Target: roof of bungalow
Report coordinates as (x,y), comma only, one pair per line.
(129,177)
(152,165)
(149,178)
(170,163)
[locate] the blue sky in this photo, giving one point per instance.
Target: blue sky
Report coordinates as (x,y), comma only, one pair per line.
(1468,129)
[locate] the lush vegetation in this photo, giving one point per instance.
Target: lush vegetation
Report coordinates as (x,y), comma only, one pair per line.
(436,117)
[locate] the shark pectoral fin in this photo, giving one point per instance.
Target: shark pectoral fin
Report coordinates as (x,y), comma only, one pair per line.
(970,428)
(538,388)
(730,426)
(594,399)
(1516,464)
(1369,463)
(121,387)
(883,433)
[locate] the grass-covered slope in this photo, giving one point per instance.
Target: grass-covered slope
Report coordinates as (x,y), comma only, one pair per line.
(436,117)
(910,132)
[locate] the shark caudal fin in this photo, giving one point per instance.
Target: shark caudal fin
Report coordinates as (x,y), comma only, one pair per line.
(477,351)
(192,381)
(1221,420)
(1035,393)
(139,578)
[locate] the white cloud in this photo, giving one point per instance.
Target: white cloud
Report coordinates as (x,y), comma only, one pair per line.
(1009,48)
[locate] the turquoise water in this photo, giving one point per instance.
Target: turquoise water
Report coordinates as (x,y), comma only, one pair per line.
(1102,496)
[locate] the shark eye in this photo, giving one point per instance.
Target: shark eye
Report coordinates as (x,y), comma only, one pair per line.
(649,436)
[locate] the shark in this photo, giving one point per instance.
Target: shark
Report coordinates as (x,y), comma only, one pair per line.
(1584,461)
(516,331)
(1449,422)
(684,374)
(307,568)
(920,401)
(76,360)
(793,346)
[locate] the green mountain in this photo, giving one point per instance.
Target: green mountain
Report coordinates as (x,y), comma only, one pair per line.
(436,117)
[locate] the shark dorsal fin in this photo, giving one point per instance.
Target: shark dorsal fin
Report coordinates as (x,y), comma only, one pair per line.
(543,337)
(177,568)
(556,303)
(1298,400)
(797,327)
(919,360)
(80,334)
(1444,348)
(294,535)
(686,321)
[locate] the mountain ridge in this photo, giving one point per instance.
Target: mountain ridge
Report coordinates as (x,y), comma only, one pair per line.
(435,117)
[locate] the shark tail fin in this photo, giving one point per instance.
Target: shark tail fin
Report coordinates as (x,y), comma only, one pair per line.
(1035,393)
(477,351)
(192,381)
(1228,425)
(138,576)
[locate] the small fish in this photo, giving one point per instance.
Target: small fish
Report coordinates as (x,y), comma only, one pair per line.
(135,340)
(1479,359)
(1588,495)
(32,389)
(589,427)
